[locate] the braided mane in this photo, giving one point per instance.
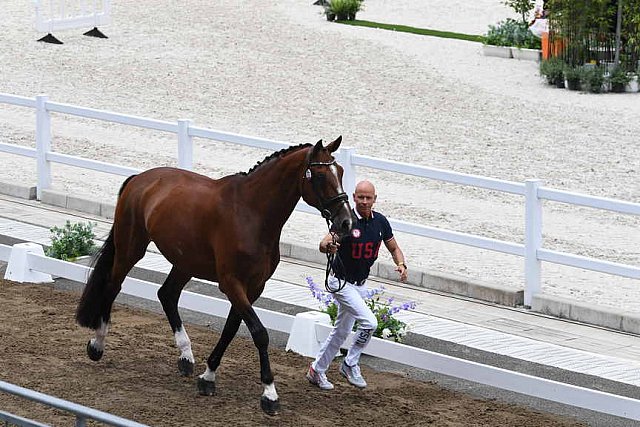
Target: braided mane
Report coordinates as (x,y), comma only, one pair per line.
(275,155)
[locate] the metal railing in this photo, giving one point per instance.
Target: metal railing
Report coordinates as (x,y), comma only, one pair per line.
(533,190)
(82,413)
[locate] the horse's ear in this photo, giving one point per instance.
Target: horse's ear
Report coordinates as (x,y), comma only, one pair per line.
(335,144)
(318,146)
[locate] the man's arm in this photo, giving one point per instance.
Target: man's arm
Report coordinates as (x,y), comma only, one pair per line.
(398,257)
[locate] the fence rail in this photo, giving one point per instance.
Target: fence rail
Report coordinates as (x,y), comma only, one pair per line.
(529,385)
(533,191)
(61,15)
(82,413)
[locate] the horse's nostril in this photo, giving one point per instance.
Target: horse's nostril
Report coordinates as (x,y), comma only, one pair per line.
(346,225)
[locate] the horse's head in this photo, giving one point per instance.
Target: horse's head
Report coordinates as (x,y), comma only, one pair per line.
(322,186)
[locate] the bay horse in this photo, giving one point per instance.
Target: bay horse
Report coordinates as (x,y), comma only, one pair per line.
(226,231)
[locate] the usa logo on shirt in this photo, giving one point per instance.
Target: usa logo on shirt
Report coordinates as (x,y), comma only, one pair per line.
(355,233)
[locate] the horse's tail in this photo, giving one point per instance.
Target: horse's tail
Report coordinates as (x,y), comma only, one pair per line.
(91,306)
(89,312)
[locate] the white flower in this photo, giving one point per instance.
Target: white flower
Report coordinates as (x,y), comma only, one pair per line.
(386,333)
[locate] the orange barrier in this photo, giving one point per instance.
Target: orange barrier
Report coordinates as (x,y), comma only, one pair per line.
(551,48)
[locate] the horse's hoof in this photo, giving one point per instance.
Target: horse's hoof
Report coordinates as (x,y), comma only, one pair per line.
(185,366)
(270,407)
(206,388)
(94,354)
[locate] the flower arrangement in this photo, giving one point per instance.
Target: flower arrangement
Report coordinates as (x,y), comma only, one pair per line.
(388,326)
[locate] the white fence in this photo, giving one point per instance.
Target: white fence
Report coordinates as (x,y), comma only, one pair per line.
(555,391)
(52,15)
(532,190)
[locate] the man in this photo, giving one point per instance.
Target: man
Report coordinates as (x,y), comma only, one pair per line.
(355,256)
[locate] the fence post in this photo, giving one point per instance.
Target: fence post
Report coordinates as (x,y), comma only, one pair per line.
(343,156)
(532,240)
(43,145)
(185,145)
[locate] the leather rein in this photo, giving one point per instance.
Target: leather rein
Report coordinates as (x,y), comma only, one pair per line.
(328,216)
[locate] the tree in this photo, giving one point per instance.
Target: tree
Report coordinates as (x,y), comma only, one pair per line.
(597,31)
(521,7)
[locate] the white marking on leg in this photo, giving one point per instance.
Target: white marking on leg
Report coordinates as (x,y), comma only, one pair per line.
(184,345)
(101,333)
(270,392)
(209,375)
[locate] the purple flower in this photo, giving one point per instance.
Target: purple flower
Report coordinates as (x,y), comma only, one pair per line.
(409,305)
(382,309)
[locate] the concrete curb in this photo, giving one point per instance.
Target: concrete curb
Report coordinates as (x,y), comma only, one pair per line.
(602,316)
(19,191)
(63,200)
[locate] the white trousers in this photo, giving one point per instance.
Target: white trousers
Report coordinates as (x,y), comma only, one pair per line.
(351,307)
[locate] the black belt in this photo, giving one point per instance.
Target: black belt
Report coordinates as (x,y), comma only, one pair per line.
(355,282)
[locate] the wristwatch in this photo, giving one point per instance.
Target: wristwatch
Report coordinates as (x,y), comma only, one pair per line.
(403,264)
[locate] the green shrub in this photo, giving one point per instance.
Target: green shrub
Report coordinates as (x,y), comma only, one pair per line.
(512,33)
(618,79)
(573,75)
(72,241)
(593,79)
(553,69)
(344,9)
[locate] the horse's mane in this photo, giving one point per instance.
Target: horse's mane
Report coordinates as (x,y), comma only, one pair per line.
(275,155)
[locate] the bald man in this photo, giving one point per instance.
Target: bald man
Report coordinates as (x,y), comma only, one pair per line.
(356,254)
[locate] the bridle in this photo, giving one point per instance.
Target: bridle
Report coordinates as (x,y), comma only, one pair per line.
(325,204)
(328,216)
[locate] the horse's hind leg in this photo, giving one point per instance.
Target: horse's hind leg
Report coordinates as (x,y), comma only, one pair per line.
(168,294)
(126,255)
(207,381)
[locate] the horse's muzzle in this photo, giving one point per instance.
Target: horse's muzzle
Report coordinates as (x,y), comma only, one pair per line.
(343,222)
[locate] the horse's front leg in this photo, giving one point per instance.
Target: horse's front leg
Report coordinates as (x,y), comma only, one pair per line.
(207,381)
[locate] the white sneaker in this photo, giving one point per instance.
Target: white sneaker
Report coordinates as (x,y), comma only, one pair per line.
(319,379)
(353,375)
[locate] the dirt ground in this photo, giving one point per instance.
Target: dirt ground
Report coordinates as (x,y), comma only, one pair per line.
(42,348)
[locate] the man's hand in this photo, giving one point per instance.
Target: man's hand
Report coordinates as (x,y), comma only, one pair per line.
(329,244)
(332,247)
(402,270)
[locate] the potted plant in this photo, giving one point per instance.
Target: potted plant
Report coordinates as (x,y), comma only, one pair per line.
(618,79)
(499,39)
(593,80)
(553,70)
(632,84)
(572,77)
(343,10)
(329,14)
(389,327)
(72,241)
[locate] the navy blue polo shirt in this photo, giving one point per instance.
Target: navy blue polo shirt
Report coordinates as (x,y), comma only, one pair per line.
(359,250)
